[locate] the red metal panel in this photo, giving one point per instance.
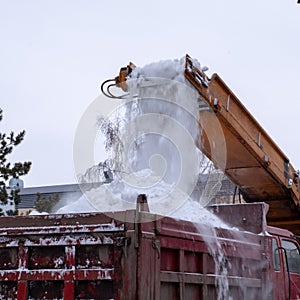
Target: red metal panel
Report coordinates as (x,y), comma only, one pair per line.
(22,290)
(89,255)
(127,278)
(146,269)
(69,290)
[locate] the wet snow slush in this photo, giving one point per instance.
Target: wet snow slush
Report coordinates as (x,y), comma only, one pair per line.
(152,151)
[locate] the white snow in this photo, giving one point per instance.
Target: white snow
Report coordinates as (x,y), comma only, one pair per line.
(163,199)
(169,69)
(159,156)
(36,213)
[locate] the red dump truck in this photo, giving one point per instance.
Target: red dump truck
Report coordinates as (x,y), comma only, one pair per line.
(138,255)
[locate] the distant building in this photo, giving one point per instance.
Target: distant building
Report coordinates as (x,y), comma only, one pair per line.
(6,207)
(14,183)
(29,195)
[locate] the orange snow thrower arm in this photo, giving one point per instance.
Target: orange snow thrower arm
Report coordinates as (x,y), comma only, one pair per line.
(252,161)
(121,79)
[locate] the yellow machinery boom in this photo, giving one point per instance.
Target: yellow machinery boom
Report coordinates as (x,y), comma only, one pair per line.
(252,161)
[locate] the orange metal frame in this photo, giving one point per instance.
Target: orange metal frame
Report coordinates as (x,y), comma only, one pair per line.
(238,145)
(252,160)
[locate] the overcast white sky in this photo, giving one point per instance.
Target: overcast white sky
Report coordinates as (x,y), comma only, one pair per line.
(54,54)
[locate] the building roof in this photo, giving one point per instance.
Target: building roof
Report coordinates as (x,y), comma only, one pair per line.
(29,195)
(50,189)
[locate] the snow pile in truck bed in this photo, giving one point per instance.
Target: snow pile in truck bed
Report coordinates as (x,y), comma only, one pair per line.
(162,200)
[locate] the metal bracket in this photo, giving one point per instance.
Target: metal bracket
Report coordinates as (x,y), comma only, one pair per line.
(155,245)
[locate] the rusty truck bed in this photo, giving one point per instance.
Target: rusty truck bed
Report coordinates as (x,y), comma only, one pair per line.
(97,256)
